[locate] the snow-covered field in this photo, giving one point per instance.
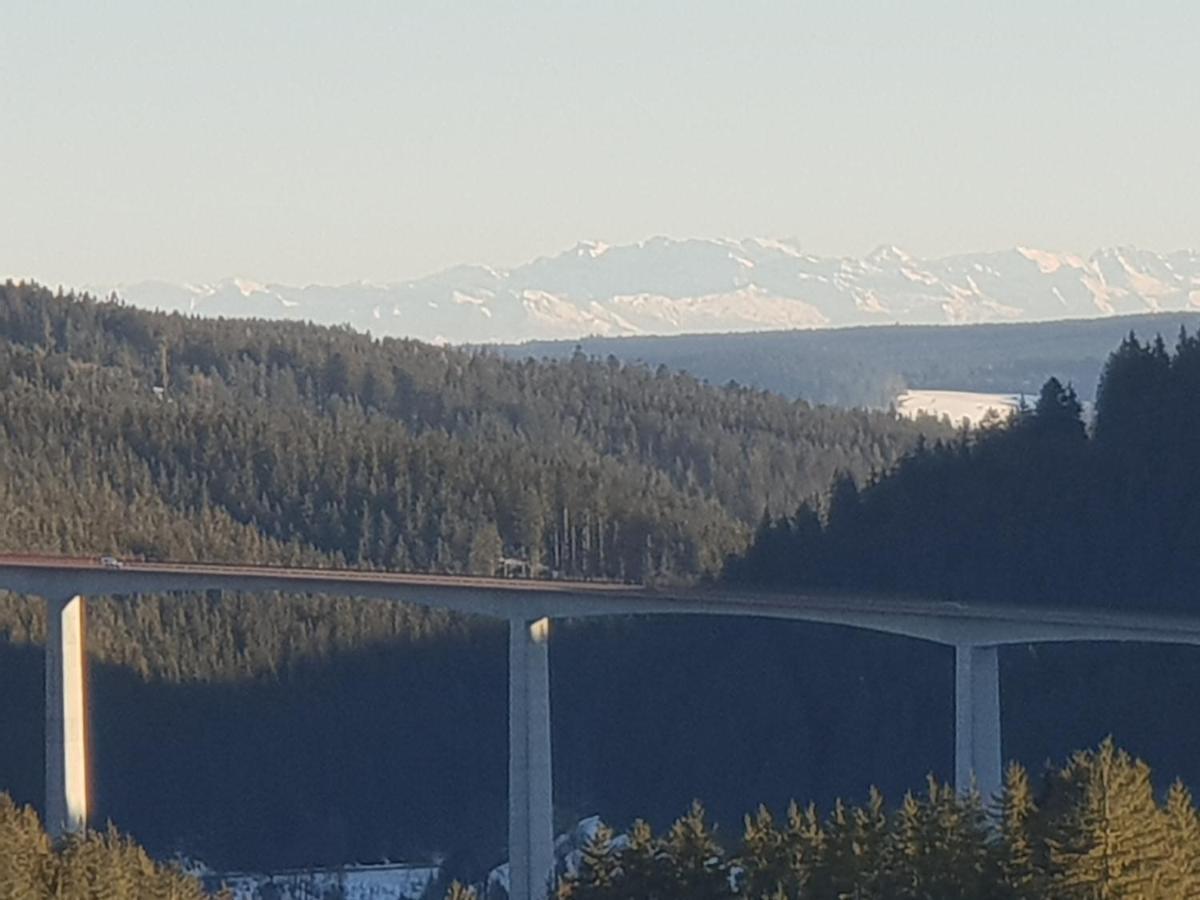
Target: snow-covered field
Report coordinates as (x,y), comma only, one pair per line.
(958,405)
(382,882)
(388,881)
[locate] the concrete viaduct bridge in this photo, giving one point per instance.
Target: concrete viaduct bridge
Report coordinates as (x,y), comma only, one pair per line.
(975,632)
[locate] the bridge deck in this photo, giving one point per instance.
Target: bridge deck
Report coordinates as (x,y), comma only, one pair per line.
(508,598)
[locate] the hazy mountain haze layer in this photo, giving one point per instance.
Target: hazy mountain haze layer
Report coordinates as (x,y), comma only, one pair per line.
(665,286)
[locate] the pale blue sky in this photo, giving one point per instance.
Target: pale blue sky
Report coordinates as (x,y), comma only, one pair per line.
(298,141)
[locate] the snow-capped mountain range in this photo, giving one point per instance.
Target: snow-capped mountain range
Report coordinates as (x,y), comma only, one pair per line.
(667,286)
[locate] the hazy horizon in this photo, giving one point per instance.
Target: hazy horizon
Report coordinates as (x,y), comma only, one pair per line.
(298,144)
(251,276)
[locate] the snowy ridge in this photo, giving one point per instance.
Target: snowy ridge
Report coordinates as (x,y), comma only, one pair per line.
(665,286)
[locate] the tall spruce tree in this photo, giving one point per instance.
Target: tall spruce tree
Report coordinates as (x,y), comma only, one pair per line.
(698,868)
(1181,869)
(1021,864)
(600,874)
(26,860)
(808,847)
(1107,838)
(646,870)
(940,847)
(764,859)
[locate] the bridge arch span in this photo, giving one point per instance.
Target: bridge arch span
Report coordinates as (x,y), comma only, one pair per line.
(975,632)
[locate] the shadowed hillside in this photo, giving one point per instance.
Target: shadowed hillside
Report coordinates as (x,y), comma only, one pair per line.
(1039,510)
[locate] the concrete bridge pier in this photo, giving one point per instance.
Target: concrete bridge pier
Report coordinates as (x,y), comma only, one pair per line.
(977,751)
(530,782)
(66,716)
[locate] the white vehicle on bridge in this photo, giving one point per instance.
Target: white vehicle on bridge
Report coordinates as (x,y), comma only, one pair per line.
(111,562)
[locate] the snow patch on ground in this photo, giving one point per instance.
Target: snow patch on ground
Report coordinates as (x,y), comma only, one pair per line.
(382,882)
(957,405)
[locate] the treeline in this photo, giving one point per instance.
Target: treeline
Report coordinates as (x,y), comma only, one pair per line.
(1093,829)
(870,366)
(1041,509)
(91,866)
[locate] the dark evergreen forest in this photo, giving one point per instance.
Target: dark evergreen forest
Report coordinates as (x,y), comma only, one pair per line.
(1093,828)
(261,732)
(257,440)
(1037,510)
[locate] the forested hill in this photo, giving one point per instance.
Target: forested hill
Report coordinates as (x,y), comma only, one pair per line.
(132,431)
(259,732)
(871,365)
(1039,510)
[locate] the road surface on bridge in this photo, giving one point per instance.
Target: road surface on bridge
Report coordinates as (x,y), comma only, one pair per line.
(940,621)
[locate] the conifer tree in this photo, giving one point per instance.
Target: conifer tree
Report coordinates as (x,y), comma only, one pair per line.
(839,871)
(807,846)
(849,855)
(26,862)
(872,832)
(1107,839)
(600,876)
(764,858)
(698,868)
(940,847)
(1181,876)
(645,865)
(1020,862)
(1058,414)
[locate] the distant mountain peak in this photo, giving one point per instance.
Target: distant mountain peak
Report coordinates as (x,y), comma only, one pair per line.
(786,246)
(248,287)
(590,249)
(667,285)
(889,253)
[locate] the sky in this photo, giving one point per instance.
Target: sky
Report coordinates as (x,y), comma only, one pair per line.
(303,142)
